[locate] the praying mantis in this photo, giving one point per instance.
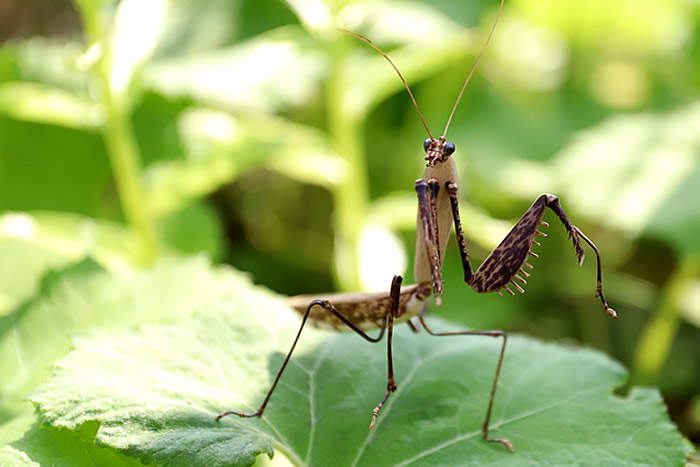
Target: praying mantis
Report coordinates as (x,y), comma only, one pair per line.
(438,210)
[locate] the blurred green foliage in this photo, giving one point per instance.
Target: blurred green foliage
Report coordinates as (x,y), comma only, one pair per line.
(255,132)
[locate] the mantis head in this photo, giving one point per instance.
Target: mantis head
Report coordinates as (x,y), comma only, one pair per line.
(437,150)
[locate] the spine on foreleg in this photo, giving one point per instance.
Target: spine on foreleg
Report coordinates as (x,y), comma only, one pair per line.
(504,263)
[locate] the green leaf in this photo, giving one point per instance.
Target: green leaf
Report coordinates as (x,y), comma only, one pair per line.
(55,168)
(137,29)
(31,244)
(85,296)
(632,172)
(283,60)
(47,61)
(636,172)
(218,149)
(32,445)
(194,229)
(41,103)
(155,393)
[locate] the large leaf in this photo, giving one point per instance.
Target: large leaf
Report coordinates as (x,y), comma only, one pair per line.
(636,172)
(155,392)
(83,297)
(46,61)
(41,103)
(283,59)
(31,244)
(30,445)
(51,168)
(218,149)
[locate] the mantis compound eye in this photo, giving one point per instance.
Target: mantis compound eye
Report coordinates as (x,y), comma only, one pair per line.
(426,144)
(449,148)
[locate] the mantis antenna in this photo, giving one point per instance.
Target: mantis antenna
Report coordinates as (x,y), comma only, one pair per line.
(459,98)
(481,54)
(375,47)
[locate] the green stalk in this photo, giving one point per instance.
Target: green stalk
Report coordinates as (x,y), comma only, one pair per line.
(125,158)
(351,195)
(657,338)
(119,137)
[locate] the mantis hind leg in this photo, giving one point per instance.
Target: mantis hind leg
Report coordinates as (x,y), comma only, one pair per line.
(496,333)
(388,321)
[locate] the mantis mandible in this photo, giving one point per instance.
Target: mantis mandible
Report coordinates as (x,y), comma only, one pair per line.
(438,209)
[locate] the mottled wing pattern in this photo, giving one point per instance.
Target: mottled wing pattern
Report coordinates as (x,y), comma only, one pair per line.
(367,311)
(504,263)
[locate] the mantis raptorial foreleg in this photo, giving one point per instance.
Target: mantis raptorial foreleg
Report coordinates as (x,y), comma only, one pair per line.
(506,262)
(428,215)
(452,190)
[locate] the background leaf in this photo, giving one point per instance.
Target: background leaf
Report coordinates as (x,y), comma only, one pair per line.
(283,60)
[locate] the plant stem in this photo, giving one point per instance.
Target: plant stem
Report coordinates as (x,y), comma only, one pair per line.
(351,194)
(657,338)
(126,163)
(119,137)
